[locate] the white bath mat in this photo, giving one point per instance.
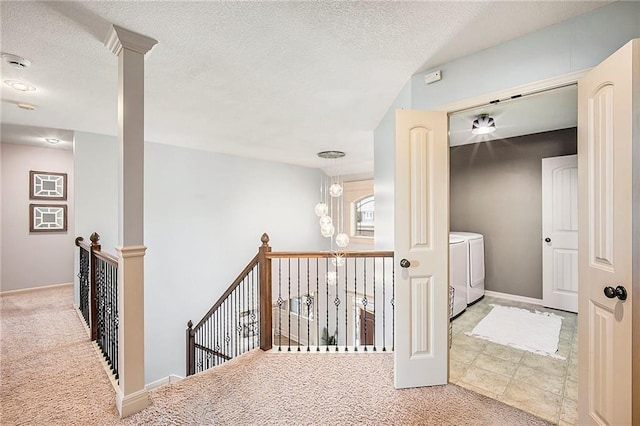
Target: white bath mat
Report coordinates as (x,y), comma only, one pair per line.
(537,332)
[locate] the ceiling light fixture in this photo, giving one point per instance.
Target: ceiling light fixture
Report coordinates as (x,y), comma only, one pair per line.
(18,85)
(330,209)
(483,124)
(52,141)
(28,107)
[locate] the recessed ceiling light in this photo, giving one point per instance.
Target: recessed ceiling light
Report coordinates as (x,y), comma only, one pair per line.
(18,85)
(24,105)
(16,61)
(52,141)
(483,125)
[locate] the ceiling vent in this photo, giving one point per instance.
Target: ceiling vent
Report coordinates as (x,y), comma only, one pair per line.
(16,61)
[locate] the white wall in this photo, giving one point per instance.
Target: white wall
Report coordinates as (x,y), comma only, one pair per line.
(384,157)
(572,45)
(204,215)
(33,259)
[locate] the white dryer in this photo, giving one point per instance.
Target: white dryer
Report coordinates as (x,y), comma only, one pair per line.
(475,256)
(458,272)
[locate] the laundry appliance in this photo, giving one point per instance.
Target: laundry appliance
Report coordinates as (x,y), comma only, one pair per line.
(475,258)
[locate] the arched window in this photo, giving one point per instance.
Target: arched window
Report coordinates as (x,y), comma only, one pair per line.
(364,217)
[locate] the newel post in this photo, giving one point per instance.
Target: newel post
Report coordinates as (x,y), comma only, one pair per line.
(93,292)
(191,350)
(264,263)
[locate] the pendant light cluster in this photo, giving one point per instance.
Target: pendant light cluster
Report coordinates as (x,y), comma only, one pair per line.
(330,209)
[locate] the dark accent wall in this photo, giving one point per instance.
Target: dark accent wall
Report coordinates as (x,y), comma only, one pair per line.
(496,190)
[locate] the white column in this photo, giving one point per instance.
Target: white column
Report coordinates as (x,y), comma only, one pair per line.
(130,48)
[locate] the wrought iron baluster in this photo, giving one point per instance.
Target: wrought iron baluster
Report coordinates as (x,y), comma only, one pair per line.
(384,305)
(356,332)
(336,302)
(299,307)
(364,302)
(289,305)
(317,305)
(374,304)
(307,299)
(346,305)
(280,301)
(326,285)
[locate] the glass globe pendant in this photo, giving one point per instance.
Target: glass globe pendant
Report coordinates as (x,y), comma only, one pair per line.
(332,277)
(325,221)
(342,240)
(327,231)
(335,190)
(321,209)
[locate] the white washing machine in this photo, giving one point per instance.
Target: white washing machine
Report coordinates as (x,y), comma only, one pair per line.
(458,272)
(475,256)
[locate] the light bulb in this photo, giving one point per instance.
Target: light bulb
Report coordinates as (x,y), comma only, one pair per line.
(332,277)
(327,231)
(342,240)
(335,190)
(321,209)
(325,221)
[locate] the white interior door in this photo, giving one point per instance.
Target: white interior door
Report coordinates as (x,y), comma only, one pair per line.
(609,217)
(421,249)
(560,232)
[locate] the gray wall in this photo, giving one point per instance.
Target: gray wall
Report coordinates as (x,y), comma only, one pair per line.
(33,259)
(496,190)
(569,46)
(204,214)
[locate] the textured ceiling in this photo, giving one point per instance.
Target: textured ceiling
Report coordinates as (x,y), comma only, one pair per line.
(273,80)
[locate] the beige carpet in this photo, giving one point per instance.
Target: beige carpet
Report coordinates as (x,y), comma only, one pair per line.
(51,376)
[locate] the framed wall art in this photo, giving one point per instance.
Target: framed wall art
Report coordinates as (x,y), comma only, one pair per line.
(47,218)
(47,185)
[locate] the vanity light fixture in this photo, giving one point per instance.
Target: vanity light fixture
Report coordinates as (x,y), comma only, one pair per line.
(483,124)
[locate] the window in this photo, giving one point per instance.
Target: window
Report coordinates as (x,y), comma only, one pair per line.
(360,211)
(364,217)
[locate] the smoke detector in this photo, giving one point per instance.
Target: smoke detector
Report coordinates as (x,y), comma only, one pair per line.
(16,61)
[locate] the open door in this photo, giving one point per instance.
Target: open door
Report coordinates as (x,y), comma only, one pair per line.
(421,249)
(609,240)
(560,232)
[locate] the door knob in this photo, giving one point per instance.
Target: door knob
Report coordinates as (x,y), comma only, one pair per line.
(620,292)
(405,263)
(547,240)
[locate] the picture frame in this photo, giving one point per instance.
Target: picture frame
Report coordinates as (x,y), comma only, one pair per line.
(47,218)
(47,185)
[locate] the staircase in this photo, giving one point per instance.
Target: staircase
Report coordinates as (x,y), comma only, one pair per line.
(299,301)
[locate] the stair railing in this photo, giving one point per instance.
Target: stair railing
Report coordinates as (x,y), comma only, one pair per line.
(292,299)
(98,296)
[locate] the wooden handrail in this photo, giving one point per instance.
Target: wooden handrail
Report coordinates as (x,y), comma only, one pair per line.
(212,352)
(229,290)
(97,250)
(328,255)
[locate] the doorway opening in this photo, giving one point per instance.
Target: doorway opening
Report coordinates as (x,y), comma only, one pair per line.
(496,191)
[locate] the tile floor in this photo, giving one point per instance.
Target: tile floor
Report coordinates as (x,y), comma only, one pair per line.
(540,385)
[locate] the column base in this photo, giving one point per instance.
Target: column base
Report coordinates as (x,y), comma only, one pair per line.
(132,403)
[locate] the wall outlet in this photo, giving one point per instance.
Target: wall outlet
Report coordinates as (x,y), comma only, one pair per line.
(433,77)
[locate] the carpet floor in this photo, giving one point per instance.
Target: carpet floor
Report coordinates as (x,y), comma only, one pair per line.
(51,375)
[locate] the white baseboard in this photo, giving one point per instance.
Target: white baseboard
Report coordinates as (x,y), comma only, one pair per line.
(172,378)
(31,289)
(513,297)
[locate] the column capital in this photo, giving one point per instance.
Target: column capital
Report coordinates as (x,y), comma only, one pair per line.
(120,38)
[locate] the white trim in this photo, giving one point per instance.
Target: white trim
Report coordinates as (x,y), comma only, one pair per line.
(120,38)
(132,403)
(82,321)
(31,289)
(513,297)
(541,85)
(171,378)
(105,365)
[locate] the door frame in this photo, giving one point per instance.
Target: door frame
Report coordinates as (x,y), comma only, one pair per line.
(506,94)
